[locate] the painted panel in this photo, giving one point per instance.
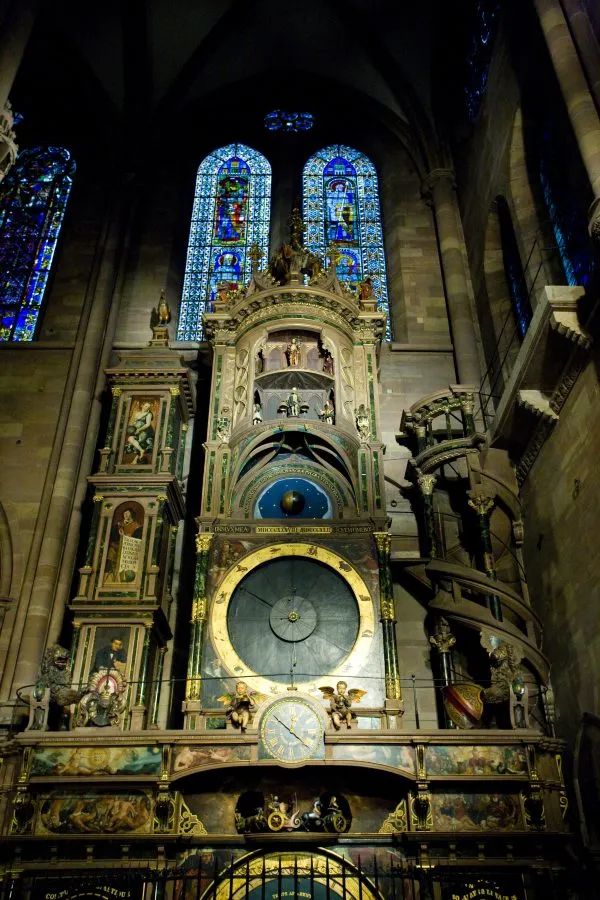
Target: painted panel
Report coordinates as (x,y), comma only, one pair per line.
(192,757)
(476,812)
(471,760)
(395,756)
(95,812)
(94,760)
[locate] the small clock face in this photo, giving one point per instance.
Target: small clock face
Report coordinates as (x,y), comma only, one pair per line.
(291,731)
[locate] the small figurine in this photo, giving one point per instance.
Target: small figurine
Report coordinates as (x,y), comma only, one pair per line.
(241,705)
(340,703)
(257,416)
(365,290)
(362,422)
(293,353)
(259,363)
(327,363)
(223,425)
(327,414)
(164,313)
(293,403)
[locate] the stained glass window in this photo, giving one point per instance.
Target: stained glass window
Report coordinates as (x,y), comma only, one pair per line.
(479,57)
(33,197)
(278,120)
(513,268)
(231,213)
(341,211)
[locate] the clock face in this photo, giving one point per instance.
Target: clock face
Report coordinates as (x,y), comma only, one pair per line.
(293,619)
(292,613)
(291,731)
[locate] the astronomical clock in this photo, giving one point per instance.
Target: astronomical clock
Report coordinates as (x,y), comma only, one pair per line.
(292,584)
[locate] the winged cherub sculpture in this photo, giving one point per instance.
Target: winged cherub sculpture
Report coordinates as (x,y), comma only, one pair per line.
(241,704)
(340,703)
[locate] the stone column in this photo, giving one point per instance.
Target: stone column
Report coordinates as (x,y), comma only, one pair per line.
(578,99)
(483,507)
(42,600)
(438,189)
(426,485)
(393,690)
(199,610)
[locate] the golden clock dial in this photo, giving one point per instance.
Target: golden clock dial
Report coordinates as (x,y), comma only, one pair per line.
(291,731)
(292,613)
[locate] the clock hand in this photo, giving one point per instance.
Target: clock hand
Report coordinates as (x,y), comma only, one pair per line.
(291,731)
(262,600)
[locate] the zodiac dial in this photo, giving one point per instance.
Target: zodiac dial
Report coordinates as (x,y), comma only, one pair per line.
(290,615)
(291,731)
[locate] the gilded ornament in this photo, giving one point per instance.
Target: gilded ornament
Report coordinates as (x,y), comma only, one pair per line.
(203,542)
(397,820)
(426,483)
(481,504)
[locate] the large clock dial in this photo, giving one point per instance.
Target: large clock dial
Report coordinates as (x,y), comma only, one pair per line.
(291,731)
(292,613)
(293,619)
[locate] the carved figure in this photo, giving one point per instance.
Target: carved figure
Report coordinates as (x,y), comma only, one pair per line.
(365,290)
(327,363)
(282,815)
(257,416)
(340,703)
(362,422)
(223,425)
(504,662)
(55,677)
(293,403)
(293,353)
(241,705)
(327,414)
(163,311)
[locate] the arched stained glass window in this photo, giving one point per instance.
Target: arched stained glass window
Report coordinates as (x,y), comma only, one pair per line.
(231,213)
(341,210)
(33,197)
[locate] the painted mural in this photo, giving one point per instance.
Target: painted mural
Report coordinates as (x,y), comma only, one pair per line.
(95,760)
(123,558)
(476,812)
(192,757)
(454,760)
(397,757)
(98,812)
(141,430)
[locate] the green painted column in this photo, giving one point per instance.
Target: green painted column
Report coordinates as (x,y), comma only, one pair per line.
(199,610)
(393,690)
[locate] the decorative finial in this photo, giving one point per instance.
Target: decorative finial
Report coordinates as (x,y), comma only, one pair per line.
(255,256)
(297,228)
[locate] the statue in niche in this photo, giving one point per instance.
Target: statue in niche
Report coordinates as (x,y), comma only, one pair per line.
(365,291)
(259,363)
(327,414)
(340,703)
(327,363)
(257,416)
(293,353)
(241,705)
(362,422)
(293,403)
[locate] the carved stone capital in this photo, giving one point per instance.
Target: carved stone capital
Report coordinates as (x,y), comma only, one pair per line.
(436,181)
(203,542)
(426,483)
(442,639)
(481,504)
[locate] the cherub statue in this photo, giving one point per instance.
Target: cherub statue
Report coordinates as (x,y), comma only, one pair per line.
(340,703)
(241,705)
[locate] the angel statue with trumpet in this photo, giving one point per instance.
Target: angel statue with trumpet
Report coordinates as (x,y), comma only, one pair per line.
(340,703)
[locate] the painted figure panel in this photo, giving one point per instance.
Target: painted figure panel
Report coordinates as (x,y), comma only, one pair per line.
(397,757)
(140,438)
(192,757)
(124,556)
(476,812)
(110,650)
(476,761)
(232,202)
(96,760)
(67,812)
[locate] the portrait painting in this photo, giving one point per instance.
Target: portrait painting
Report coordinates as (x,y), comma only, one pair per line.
(124,555)
(110,651)
(96,812)
(476,812)
(94,760)
(140,437)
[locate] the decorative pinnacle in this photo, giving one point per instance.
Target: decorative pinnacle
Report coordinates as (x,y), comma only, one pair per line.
(255,256)
(297,228)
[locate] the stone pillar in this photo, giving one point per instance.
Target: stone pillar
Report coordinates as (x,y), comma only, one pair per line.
(578,99)
(393,690)
(16,29)
(438,189)
(426,485)
(483,507)
(199,610)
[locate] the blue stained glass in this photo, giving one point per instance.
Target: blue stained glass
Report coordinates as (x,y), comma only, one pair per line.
(232,204)
(480,55)
(341,210)
(278,120)
(33,198)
